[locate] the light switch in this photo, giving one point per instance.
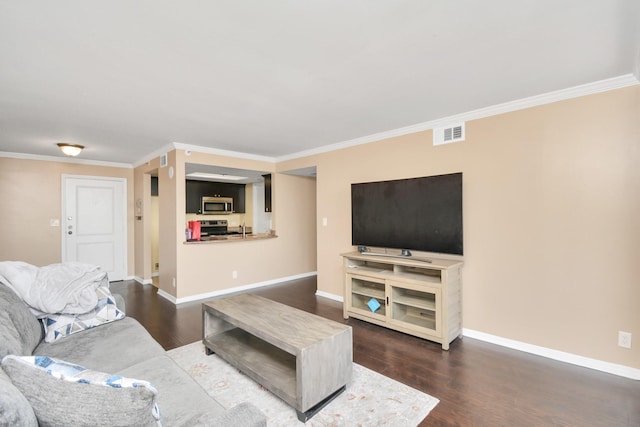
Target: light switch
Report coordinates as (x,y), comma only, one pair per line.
(324,221)
(54,222)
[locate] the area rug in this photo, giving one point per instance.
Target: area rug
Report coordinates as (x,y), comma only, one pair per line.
(370,399)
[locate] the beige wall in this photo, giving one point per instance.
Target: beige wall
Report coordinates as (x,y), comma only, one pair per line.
(144,230)
(203,268)
(155,233)
(551,219)
(31,195)
(209,267)
(172,212)
(551,208)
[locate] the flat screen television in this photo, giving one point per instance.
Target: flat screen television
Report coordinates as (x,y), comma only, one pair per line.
(422,214)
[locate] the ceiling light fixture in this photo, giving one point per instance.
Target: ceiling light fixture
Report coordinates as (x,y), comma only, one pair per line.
(70,149)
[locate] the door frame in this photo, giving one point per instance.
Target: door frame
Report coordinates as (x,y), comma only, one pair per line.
(122,214)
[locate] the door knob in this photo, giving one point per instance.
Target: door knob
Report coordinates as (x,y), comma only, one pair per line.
(70,232)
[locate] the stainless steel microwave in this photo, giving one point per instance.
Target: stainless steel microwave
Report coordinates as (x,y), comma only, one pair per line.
(217,205)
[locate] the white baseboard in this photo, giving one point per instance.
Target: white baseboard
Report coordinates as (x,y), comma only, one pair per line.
(141,280)
(599,365)
(234,290)
(334,297)
(574,359)
(167,296)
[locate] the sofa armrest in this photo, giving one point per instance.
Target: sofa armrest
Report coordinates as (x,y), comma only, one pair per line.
(119,299)
(243,415)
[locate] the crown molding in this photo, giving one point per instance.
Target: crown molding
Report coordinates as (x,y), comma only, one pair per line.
(153,155)
(201,149)
(73,160)
(507,107)
(226,153)
(533,101)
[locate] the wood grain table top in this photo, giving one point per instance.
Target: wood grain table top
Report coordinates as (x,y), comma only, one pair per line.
(289,328)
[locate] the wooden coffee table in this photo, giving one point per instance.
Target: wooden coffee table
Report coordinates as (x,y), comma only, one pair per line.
(304,359)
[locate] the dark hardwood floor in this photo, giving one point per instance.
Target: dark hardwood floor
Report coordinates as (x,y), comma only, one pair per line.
(478,384)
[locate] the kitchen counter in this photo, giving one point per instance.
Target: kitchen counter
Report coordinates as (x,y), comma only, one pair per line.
(232,238)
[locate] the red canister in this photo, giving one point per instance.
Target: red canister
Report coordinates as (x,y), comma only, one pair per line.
(195,229)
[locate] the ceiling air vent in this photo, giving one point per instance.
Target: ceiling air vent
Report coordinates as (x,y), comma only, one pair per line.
(446,135)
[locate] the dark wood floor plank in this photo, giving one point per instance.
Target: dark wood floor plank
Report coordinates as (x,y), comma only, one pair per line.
(478,384)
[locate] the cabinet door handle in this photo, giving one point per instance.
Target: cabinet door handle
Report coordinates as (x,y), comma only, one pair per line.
(387,300)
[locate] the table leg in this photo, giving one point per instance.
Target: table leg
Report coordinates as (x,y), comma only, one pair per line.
(305,416)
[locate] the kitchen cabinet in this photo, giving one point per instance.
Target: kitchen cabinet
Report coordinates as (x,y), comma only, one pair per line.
(193,195)
(237,191)
(267,192)
(195,190)
(154,186)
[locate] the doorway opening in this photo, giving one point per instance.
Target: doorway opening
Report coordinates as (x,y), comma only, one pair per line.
(154,218)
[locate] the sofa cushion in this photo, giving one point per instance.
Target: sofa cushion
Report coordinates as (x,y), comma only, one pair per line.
(61,393)
(15,409)
(57,326)
(180,398)
(109,347)
(20,331)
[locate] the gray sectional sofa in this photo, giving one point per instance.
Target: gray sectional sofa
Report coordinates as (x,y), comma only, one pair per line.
(121,347)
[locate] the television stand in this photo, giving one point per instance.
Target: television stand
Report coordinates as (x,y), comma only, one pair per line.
(405,294)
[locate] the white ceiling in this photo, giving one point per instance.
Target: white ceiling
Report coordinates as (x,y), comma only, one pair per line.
(273,78)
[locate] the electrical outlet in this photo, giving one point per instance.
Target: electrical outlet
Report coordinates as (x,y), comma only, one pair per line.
(234,274)
(624,339)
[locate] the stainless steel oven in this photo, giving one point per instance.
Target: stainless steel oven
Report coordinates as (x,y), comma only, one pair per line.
(214,227)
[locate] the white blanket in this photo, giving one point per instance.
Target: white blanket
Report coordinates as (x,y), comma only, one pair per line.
(68,288)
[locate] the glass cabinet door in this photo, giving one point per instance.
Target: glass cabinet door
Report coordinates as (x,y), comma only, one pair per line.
(368,296)
(416,308)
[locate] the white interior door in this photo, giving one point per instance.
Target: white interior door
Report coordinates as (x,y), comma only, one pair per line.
(94,223)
